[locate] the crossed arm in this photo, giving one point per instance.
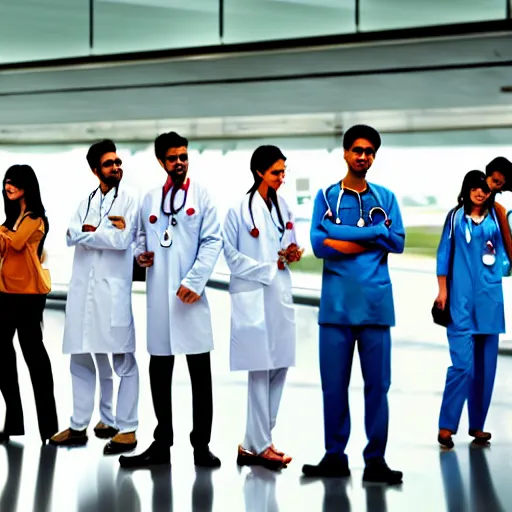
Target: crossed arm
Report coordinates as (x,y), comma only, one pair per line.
(332,241)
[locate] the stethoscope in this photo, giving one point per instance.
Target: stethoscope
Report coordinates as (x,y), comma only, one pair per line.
(372,214)
(489,256)
(255,232)
(166,238)
(91,197)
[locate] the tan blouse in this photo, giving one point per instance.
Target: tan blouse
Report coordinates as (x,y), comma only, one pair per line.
(21,270)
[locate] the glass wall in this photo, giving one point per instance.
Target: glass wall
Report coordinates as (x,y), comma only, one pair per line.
(50,29)
(34,30)
(258,20)
(424,173)
(395,14)
(141,25)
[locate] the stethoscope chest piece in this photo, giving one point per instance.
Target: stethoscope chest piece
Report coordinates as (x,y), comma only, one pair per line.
(166,240)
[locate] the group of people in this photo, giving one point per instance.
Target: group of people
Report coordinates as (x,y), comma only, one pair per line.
(175,235)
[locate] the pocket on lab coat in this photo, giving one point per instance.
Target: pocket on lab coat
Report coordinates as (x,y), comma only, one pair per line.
(121,304)
(249,341)
(193,222)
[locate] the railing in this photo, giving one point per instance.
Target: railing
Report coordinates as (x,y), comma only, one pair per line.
(32,31)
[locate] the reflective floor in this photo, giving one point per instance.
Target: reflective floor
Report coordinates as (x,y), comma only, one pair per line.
(82,479)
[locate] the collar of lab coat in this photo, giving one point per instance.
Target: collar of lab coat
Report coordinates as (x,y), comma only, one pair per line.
(169,184)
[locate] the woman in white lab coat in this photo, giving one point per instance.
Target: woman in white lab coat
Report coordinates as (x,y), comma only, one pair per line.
(259,243)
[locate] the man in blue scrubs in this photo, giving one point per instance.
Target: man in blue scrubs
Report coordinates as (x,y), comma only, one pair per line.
(355,226)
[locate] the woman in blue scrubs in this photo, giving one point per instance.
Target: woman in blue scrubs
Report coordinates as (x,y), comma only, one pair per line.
(478,263)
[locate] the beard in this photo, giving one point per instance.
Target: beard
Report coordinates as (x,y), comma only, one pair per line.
(111,181)
(178,175)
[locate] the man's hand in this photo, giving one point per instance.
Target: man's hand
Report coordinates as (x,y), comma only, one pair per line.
(117,221)
(187,296)
(87,228)
(441,299)
(145,259)
(344,246)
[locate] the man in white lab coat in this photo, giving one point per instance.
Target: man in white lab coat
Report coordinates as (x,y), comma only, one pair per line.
(179,242)
(99,319)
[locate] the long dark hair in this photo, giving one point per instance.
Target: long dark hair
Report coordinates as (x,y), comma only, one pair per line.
(263,158)
(24,177)
(473,180)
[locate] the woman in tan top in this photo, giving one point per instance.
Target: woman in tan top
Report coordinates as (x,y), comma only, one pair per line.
(24,285)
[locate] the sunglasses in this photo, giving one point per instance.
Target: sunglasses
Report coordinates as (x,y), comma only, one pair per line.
(111,163)
(183,157)
(367,151)
(278,172)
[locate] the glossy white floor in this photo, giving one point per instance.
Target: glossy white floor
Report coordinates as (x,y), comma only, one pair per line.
(84,480)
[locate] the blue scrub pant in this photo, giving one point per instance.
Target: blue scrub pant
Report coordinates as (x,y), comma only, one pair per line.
(471,377)
(336,353)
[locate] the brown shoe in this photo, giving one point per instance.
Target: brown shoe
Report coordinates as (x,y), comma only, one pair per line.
(103,431)
(286,458)
(271,460)
(121,443)
(245,457)
(480,436)
(69,437)
(444,438)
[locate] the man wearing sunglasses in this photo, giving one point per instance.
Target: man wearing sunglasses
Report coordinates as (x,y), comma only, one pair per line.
(99,319)
(179,243)
(355,225)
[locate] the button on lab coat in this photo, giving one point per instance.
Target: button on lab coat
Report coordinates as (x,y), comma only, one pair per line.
(172,326)
(263,333)
(99,315)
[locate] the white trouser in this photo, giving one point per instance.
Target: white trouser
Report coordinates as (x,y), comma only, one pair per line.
(265,389)
(83,377)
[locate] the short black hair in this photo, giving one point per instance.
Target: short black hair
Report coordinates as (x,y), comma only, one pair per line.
(166,141)
(97,150)
(361,131)
(503,166)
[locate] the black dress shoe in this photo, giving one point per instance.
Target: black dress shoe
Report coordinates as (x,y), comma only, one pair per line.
(4,438)
(379,472)
(205,458)
(154,455)
(329,466)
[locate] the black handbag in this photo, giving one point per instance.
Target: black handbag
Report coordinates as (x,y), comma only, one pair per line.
(440,316)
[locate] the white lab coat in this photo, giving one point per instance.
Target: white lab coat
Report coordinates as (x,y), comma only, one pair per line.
(99,316)
(172,326)
(262,313)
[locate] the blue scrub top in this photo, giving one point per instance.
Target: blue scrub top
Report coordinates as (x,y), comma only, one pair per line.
(356,288)
(476,292)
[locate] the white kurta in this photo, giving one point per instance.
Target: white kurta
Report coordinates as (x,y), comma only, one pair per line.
(172,326)
(262,313)
(99,316)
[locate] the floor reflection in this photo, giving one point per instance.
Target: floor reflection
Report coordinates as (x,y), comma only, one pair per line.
(11,490)
(260,490)
(482,493)
(44,480)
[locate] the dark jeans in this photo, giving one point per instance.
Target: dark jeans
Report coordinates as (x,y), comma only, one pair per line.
(160,373)
(24,313)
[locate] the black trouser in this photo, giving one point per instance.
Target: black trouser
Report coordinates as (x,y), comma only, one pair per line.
(160,373)
(24,313)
